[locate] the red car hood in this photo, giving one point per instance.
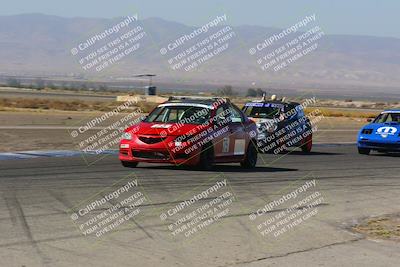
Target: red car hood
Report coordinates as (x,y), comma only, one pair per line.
(171,129)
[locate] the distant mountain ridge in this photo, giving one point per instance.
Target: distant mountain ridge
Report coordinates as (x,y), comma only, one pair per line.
(41,44)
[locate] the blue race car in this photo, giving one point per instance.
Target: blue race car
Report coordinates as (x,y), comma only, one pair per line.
(382,134)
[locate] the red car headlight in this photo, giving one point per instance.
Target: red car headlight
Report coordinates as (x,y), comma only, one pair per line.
(126,136)
(182,140)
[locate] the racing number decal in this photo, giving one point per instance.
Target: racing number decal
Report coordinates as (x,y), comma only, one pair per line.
(163,126)
(225,145)
(386,131)
(239,147)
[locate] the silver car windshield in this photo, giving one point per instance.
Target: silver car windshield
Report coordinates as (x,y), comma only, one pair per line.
(179,114)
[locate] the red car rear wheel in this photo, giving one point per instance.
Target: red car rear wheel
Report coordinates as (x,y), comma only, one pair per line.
(250,160)
(206,160)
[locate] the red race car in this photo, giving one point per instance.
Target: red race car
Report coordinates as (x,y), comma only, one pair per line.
(191,131)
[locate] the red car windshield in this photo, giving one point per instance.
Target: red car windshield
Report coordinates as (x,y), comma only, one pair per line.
(179,114)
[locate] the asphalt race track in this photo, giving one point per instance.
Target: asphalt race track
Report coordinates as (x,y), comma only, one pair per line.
(39,197)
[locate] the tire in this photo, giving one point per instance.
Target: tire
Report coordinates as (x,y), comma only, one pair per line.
(364,151)
(250,159)
(307,145)
(206,158)
(129,164)
(261,148)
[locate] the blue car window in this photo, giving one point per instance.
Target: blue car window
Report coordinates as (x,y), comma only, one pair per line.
(387,117)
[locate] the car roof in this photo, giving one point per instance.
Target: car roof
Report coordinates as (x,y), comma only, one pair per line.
(276,102)
(186,104)
(391,111)
(195,101)
(209,102)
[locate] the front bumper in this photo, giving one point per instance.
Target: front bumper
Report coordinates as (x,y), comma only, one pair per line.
(381,146)
(157,153)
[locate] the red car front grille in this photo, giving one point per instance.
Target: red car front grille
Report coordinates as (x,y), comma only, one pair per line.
(151,140)
(150,155)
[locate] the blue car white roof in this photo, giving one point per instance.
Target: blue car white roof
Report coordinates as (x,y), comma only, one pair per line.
(391,111)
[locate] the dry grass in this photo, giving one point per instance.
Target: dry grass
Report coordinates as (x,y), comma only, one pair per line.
(72,105)
(384,228)
(146,107)
(343,113)
(79,105)
(40,104)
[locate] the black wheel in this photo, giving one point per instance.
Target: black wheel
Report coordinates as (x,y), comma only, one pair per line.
(364,151)
(250,159)
(307,145)
(206,157)
(129,164)
(262,151)
(262,148)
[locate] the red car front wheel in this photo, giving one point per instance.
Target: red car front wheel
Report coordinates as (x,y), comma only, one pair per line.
(129,164)
(307,144)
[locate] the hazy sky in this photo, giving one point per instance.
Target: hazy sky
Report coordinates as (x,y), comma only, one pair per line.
(366,17)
